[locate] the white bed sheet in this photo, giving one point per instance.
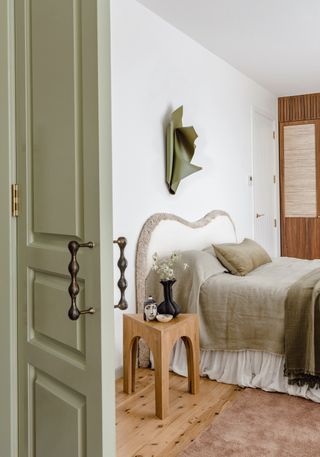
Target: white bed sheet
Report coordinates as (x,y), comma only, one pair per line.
(244,368)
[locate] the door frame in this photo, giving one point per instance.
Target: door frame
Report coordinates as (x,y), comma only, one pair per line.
(8,248)
(106,228)
(276,202)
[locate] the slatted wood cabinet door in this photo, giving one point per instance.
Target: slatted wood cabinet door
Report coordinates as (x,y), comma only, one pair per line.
(300,177)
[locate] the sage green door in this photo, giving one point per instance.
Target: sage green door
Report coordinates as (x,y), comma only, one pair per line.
(61,389)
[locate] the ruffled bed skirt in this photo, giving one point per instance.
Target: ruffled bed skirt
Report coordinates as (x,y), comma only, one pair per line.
(244,368)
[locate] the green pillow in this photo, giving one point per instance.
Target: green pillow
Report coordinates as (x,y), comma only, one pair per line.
(241,258)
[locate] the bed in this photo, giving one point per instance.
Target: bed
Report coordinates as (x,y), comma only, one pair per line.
(251,364)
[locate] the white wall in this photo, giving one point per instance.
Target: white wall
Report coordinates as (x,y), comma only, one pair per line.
(155,69)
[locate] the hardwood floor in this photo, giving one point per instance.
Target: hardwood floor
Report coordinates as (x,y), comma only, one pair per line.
(141,434)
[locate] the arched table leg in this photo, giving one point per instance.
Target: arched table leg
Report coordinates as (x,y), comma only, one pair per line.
(193,364)
(134,363)
(161,353)
(160,338)
(130,346)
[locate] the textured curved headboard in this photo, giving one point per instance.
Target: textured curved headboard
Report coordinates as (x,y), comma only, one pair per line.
(164,233)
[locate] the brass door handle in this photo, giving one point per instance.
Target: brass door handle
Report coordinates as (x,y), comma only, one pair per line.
(74,312)
(122,264)
(259,215)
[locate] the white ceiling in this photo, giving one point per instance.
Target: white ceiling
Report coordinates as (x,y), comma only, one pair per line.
(274,42)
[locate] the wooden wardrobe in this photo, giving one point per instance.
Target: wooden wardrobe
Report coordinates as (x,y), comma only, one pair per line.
(299,133)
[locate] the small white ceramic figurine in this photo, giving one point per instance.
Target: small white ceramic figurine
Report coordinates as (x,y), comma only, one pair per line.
(150,309)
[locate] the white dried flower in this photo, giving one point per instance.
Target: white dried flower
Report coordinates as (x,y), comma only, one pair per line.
(165,267)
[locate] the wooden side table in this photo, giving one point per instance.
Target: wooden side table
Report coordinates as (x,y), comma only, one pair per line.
(160,338)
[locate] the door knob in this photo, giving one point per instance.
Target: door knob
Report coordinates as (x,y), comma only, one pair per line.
(259,215)
(74,312)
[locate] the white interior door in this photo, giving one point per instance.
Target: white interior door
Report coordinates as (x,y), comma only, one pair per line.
(60,374)
(264,182)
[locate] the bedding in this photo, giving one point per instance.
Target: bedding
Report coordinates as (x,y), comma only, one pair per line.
(302,331)
(255,369)
(237,313)
(201,266)
(241,258)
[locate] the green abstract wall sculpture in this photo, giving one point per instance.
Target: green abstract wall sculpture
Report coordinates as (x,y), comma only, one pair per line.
(180,151)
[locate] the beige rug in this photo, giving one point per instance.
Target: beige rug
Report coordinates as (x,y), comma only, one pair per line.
(262,424)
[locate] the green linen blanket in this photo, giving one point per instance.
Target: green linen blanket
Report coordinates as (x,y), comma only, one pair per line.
(242,313)
(302,331)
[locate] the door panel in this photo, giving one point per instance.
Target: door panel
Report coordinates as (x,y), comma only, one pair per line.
(300,192)
(67,411)
(263,182)
(50,295)
(60,393)
(301,237)
(299,172)
(55,35)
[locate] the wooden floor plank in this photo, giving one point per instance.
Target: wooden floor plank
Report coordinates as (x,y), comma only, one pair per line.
(141,434)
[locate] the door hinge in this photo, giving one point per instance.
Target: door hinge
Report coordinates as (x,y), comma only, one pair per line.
(274,178)
(275,223)
(274,135)
(15,200)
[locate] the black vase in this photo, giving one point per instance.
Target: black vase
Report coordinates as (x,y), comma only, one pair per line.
(168,306)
